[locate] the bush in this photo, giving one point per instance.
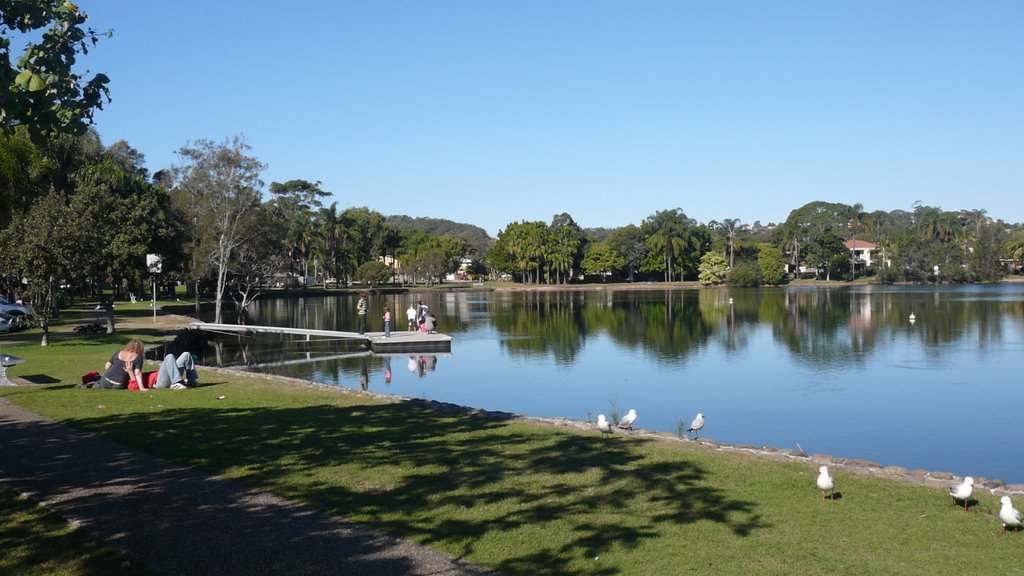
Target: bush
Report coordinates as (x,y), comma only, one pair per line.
(744,275)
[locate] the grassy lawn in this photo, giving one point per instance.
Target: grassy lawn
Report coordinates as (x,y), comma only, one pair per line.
(528,498)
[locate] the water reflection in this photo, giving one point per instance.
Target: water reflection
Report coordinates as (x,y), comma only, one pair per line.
(834,360)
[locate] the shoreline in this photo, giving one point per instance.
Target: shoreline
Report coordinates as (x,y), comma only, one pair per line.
(919,477)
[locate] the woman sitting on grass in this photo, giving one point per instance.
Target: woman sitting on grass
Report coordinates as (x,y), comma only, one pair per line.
(123,365)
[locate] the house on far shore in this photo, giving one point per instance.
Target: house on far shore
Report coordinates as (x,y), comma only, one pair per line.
(861,252)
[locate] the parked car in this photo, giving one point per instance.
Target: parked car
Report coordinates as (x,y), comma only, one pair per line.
(11,308)
(12,322)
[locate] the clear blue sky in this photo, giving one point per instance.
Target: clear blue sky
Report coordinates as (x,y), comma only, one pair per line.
(491,112)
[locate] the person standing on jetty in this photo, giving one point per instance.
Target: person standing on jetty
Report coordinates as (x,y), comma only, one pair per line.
(387,322)
(411,315)
(361,307)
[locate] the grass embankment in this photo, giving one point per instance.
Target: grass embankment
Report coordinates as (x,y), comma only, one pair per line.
(529,498)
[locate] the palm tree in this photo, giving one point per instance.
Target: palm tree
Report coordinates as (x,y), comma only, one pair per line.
(730,225)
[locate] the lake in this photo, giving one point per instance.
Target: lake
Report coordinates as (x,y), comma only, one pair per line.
(841,371)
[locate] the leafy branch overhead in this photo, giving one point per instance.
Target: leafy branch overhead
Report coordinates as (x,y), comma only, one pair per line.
(42,89)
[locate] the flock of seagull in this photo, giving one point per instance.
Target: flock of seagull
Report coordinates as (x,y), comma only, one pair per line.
(1008,515)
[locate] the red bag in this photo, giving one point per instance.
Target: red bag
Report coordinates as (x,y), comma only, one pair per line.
(149,378)
(90,377)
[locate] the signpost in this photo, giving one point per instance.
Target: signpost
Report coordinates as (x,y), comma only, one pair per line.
(154,262)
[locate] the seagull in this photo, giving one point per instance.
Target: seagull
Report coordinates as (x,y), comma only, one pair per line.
(697,424)
(1008,514)
(826,483)
(962,491)
(603,424)
(628,419)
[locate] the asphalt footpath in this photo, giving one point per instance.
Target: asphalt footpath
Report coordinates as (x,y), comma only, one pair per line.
(183,521)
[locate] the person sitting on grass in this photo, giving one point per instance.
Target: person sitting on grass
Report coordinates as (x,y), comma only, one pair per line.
(177,373)
(124,365)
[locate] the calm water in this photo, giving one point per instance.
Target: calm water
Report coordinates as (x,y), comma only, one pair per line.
(839,371)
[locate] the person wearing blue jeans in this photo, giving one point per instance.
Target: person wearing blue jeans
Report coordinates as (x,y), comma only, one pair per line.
(174,372)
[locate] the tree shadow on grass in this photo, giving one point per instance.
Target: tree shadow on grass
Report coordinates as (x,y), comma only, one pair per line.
(450,480)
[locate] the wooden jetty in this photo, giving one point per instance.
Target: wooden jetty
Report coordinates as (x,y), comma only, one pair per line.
(412,342)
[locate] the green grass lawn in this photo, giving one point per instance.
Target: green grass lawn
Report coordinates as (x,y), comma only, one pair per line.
(529,498)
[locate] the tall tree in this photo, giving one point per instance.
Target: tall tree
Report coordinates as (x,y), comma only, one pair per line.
(45,248)
(223,187)
(628,242)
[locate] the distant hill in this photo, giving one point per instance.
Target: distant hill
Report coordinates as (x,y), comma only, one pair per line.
(475,235)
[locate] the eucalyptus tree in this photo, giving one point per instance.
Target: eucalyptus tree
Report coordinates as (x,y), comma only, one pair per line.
(368,226)
(256,259)
(811,225)
(42,89)
(628,243)
(221,185)
(296,202)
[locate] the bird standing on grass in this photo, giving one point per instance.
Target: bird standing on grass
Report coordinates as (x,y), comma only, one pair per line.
(1008,514)
(961,492)
(826,483)
(697,424)
(603,425)
(628,419)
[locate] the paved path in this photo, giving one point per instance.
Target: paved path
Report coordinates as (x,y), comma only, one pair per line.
(182,521)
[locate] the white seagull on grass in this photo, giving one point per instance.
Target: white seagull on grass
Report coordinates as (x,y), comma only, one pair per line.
(697,424)
(628,419)
(961,492)
(603,425)
(826,483)
(1008,514)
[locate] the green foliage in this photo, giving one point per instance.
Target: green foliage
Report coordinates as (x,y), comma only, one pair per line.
(628,242)
(475,236)
(601,259)
(772,265)
(374,273)
(743,275)
(446,479)
(43,91)
(713,269)
(218,187)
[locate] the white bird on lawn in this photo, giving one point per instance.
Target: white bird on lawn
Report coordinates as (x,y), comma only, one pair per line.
(962,491)
(603,425)
(1008,514)
(826,483)
(628,419)
(697,424)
